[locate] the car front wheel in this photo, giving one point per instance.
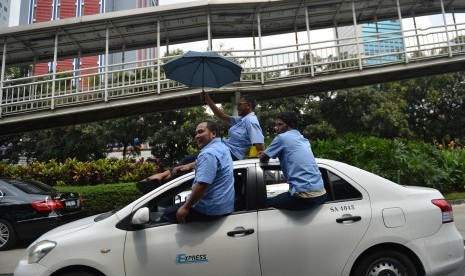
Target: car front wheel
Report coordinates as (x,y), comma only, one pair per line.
(79,273)
(390,262)
(7,235)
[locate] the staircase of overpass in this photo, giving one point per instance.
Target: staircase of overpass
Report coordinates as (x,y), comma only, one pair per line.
(137,87)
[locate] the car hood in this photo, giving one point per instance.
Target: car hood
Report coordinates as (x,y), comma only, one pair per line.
(68,228)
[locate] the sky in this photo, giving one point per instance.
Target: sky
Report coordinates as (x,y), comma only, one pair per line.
(270,41)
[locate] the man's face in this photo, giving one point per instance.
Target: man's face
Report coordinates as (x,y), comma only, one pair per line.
(243,108)
(280,126)
(203,135)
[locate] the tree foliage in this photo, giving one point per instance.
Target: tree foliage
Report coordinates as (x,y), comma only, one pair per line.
(173,132)
(128,132)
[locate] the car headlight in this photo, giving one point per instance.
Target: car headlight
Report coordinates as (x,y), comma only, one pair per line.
(39,250)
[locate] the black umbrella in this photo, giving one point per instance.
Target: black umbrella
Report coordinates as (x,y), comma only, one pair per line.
(203,69)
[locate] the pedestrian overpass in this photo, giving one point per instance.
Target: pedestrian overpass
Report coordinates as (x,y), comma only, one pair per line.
(301,67)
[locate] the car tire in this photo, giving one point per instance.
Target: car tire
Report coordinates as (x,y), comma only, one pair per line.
(78,273)
(388,262)
(7,235)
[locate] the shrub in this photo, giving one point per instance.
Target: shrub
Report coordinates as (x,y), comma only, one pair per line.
(73,172)
(104,197)
(400,160)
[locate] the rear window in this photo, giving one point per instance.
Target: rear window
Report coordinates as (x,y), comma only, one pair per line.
(31,186)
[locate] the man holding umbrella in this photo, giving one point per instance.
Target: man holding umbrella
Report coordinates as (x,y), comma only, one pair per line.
(244,132)
(245,129)
(209,69)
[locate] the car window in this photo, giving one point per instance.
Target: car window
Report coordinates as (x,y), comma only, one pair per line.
(275,182)
(336,187)
(31,186)
(240,181)
(7,191)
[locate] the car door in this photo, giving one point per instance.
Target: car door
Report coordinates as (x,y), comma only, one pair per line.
(227,246)
(314,242)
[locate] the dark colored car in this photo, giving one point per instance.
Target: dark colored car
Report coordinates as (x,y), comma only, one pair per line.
(29,208)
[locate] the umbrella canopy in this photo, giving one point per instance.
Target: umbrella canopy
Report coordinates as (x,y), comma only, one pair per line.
(203,69)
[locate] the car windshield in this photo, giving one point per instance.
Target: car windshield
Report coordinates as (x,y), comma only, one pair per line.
(31,186)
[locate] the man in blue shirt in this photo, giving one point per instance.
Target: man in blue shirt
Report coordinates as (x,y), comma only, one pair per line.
(245,131)
(306,187)
(213,187)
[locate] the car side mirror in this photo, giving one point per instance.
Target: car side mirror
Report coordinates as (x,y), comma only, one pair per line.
(142,216)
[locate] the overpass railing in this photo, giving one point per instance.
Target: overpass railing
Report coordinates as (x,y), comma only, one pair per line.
(144,77)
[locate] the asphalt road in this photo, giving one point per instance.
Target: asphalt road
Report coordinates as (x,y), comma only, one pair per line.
(9,259)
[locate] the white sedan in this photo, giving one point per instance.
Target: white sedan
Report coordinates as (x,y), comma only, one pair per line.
(369,226)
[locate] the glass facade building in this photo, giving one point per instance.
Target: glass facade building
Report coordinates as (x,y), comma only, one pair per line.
(379,42)
(4,13)
(383,41)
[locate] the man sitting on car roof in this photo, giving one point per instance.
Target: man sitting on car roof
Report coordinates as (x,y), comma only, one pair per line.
(213,188)
(306,187)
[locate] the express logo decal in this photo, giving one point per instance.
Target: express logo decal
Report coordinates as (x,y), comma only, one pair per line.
(189,259)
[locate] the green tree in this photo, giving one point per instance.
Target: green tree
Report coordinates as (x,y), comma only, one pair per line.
(173,132)
(81,142)
(128,131)
(436,108)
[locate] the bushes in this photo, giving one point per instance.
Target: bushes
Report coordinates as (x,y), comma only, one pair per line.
(400,160)
(102,198)
(78,173)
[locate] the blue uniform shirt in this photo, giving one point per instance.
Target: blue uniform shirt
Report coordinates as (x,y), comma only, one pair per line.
(297,162)
(244,132)
(214,167)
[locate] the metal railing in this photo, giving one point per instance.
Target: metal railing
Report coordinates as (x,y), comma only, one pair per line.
(133,79)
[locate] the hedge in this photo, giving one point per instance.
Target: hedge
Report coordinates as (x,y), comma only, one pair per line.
(104,197)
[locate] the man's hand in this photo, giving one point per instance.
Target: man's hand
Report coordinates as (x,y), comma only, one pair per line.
(182,214)
(263,157)
(182,168)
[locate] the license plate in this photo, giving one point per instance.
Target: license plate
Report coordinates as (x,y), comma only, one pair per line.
(71,203)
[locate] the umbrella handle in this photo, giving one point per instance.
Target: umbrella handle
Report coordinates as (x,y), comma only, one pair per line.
(202,98)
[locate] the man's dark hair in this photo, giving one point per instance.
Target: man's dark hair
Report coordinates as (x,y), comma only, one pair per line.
(213,127)
(289,118)
(250,100)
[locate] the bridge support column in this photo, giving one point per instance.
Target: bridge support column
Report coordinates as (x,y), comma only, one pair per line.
(262,76)
(2,77)
(158,58)
(299,63)
(234,101)
(310,55)
(78,72)
(402,33)
(455,24)
(107,46)
(54,68)
(210,46)
(416,32)
(445,26)
(357,42)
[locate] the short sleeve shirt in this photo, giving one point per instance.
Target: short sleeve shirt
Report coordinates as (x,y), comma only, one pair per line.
(214,167)
(244,132)
(297,162)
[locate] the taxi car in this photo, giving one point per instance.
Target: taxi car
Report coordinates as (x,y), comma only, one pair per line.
(369,226)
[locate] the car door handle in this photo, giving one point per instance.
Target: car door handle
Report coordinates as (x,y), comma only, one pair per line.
(242,232)
(348,218)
